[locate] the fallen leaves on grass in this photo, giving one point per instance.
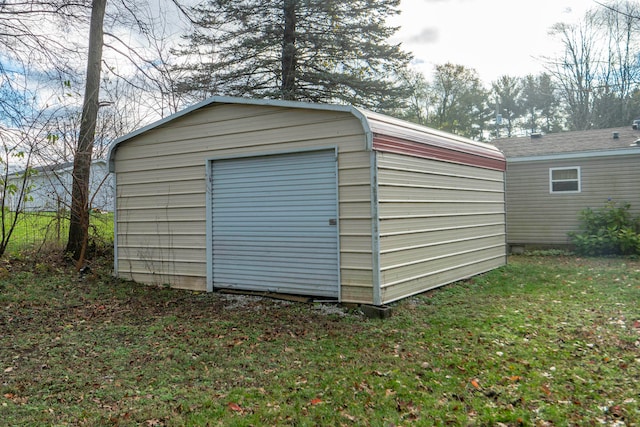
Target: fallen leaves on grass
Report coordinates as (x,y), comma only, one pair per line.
(409,410)
(18,400)
(93,349)
(348,416)
(235,407)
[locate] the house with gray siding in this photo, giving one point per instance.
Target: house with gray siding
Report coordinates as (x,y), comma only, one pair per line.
(329,201)
(552,178)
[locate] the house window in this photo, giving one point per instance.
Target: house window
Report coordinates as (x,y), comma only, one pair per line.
(564,180)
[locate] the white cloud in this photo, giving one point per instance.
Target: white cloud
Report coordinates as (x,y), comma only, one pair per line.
(495,37)
(427,35)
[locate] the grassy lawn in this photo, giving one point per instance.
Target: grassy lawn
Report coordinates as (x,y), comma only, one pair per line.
(35,229)
(542,342)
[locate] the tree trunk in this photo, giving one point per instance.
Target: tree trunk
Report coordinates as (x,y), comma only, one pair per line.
(79,225)
(289,60)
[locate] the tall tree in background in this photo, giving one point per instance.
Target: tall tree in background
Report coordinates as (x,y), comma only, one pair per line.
(539,103)
(26,35)
(507,91)
(576,70)
(419,99)
(531,102)
(305,50)
(458,98)
(549,104)
(79,224)
(619,24)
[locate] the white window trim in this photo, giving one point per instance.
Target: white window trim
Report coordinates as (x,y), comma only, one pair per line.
(551,181)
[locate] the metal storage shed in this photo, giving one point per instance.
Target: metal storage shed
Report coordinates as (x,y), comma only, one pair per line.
(291,197)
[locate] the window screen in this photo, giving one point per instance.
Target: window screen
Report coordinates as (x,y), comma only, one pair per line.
(564,180)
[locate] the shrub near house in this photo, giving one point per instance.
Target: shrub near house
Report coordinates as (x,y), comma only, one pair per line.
(611,230)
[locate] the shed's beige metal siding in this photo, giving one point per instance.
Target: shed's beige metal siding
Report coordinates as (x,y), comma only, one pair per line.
(161,189)
(439,222)
(537,217)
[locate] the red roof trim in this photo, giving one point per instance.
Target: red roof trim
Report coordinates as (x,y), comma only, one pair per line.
(472,156)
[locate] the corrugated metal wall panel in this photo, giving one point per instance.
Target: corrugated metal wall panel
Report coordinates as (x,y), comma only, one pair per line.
(139,180)
(427,209)
(134,227)
(536,217)
(401,241)
(438,223)
(407,193)
(191,278)
(274,223)
(156,188)
(450,264)
(187,254)
(162,240)
(433,168)
(174,213)
(276,124)
(408,176)
(185,145)
(400,224)
(411,263)
(439,278)
(359,290)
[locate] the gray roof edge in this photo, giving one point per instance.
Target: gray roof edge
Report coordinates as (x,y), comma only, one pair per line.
(57,167)
(576,155)
(360,115)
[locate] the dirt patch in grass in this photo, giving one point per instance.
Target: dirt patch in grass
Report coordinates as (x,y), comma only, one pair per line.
(542,341)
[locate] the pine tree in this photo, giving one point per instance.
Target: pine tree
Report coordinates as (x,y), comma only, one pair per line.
(305,50)
(540,103)
(508,92)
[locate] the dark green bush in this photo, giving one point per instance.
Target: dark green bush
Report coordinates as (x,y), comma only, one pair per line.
(611,230)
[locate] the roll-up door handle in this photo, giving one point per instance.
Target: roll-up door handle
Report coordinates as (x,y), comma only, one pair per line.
(333,221)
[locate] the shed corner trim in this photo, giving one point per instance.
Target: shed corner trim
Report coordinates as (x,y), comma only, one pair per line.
(366,126)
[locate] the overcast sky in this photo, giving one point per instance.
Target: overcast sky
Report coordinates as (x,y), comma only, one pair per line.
(496,37)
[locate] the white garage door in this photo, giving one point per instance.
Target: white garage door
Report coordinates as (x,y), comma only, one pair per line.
(274,223)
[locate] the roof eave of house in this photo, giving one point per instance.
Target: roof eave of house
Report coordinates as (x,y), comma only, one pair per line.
(56,168)
(632,150)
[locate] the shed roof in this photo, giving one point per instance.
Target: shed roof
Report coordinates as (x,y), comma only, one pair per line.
(374,126)
(587,141)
